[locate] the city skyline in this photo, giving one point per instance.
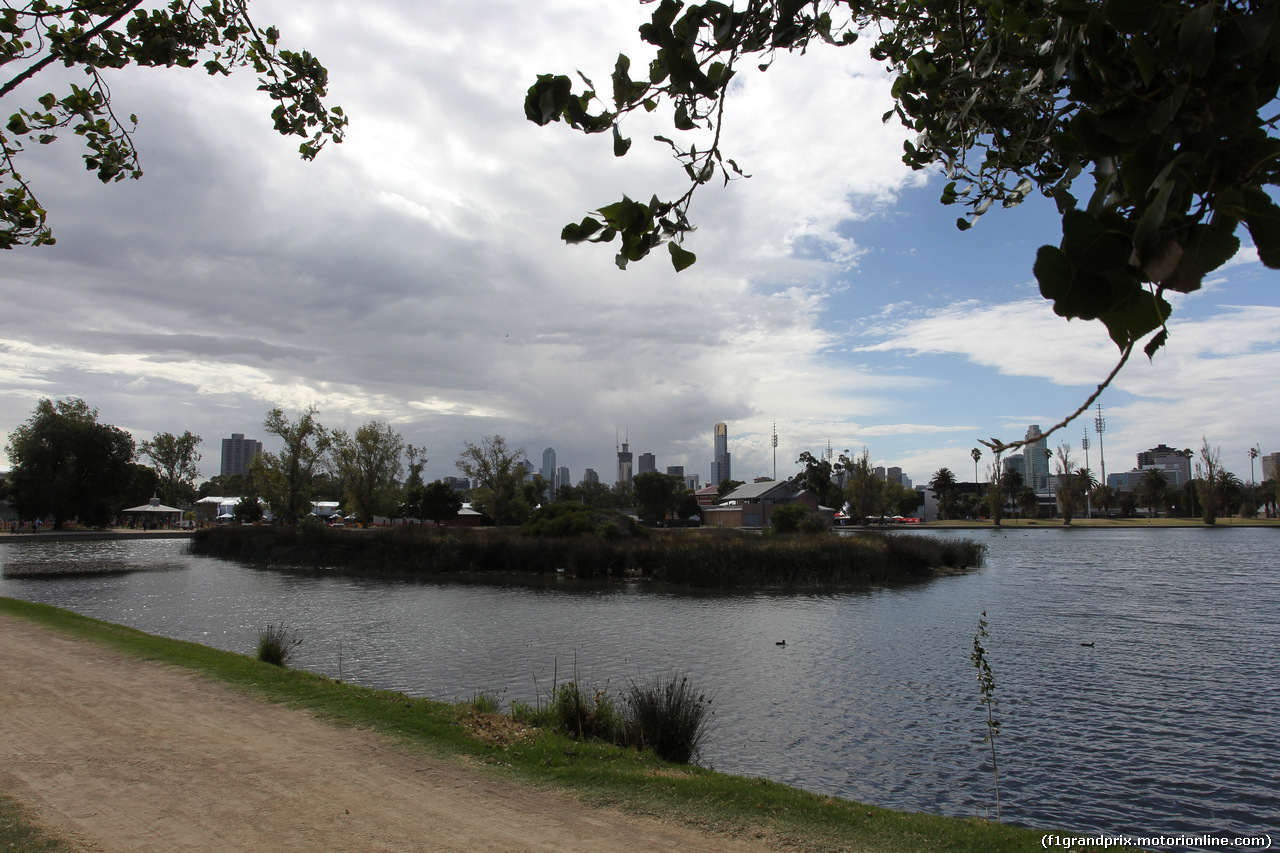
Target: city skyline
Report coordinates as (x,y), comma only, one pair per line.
(415,274)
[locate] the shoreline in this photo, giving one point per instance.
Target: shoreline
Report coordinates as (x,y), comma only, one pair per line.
(9,538)
(542,782)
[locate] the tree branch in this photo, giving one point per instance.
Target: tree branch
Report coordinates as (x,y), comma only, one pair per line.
(84,39)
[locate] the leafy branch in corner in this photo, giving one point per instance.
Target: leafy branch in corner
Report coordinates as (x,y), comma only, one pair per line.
(1159,102)
(103,36)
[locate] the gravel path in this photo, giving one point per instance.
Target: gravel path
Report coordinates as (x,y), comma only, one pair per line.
(129,756)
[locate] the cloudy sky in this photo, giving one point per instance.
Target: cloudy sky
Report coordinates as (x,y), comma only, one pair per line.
(414,274)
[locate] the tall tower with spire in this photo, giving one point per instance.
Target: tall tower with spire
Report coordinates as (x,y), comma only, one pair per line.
(624,464)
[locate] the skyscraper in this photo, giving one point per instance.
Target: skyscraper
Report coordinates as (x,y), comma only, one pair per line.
(720,469)
(648,464)
(237,453)
(1036,460)
(624,466)
(548,471)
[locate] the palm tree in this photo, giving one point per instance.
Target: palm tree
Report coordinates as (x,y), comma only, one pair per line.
(1011,484)
(1152,489)
(943,486)
(1103,496)
(1029,501)
(1230,491)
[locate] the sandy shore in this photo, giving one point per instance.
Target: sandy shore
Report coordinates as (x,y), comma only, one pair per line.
(120,754)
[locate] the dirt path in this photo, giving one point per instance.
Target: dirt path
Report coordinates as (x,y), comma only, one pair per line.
(129,756)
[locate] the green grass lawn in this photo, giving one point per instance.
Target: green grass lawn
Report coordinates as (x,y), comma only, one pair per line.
(598,773)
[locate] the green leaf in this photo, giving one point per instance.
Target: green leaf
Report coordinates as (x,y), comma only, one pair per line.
(680,259)
(1091,245)
(1155,343)
(1262,217)
(1135,317)
(580,231)
(620,145)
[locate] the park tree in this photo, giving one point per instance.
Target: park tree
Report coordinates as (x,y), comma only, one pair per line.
(286,479)
(415,461)
(996,493)
(225,485)
(819,476)
(67,465)
(500,473)
(656,495)
(247,510)
(144,484)
(97,38)
(440,502)
(1073,484)
(863,491)
(1208,473)
(1162,111)
(370,464)
(174,458)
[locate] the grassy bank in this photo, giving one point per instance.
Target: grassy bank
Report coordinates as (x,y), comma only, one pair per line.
(719,559)
(598,773)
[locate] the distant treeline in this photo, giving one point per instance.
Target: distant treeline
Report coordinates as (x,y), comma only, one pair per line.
(717,559)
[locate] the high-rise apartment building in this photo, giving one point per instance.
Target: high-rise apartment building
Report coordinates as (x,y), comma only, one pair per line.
(648,464)
(562,477)
(1169,459)
(720,468)
(237,453)
(1270,466)
(590,476)
(1035,456)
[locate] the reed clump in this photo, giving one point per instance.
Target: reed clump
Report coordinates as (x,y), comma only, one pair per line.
(717,559)
(667,715)
(276,644)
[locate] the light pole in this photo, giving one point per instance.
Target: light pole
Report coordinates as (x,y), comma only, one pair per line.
(1100,424)
(775,451)
(1191,487)
(1084,442)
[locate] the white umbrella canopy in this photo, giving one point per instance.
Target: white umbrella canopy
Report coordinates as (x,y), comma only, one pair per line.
(153,506)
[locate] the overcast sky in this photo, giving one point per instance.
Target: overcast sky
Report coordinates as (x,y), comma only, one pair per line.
(414,274)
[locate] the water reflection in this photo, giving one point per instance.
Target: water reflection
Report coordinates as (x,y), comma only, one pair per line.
(1165,725)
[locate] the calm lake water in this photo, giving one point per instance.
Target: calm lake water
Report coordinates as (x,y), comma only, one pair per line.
(1168,724)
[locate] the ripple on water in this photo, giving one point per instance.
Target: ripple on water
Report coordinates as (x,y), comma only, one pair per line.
(1167,724)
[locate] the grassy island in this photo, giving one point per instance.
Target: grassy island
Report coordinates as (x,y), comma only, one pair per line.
(715,559)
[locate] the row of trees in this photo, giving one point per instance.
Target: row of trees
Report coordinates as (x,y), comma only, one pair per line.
(67,465)
(1211,492)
